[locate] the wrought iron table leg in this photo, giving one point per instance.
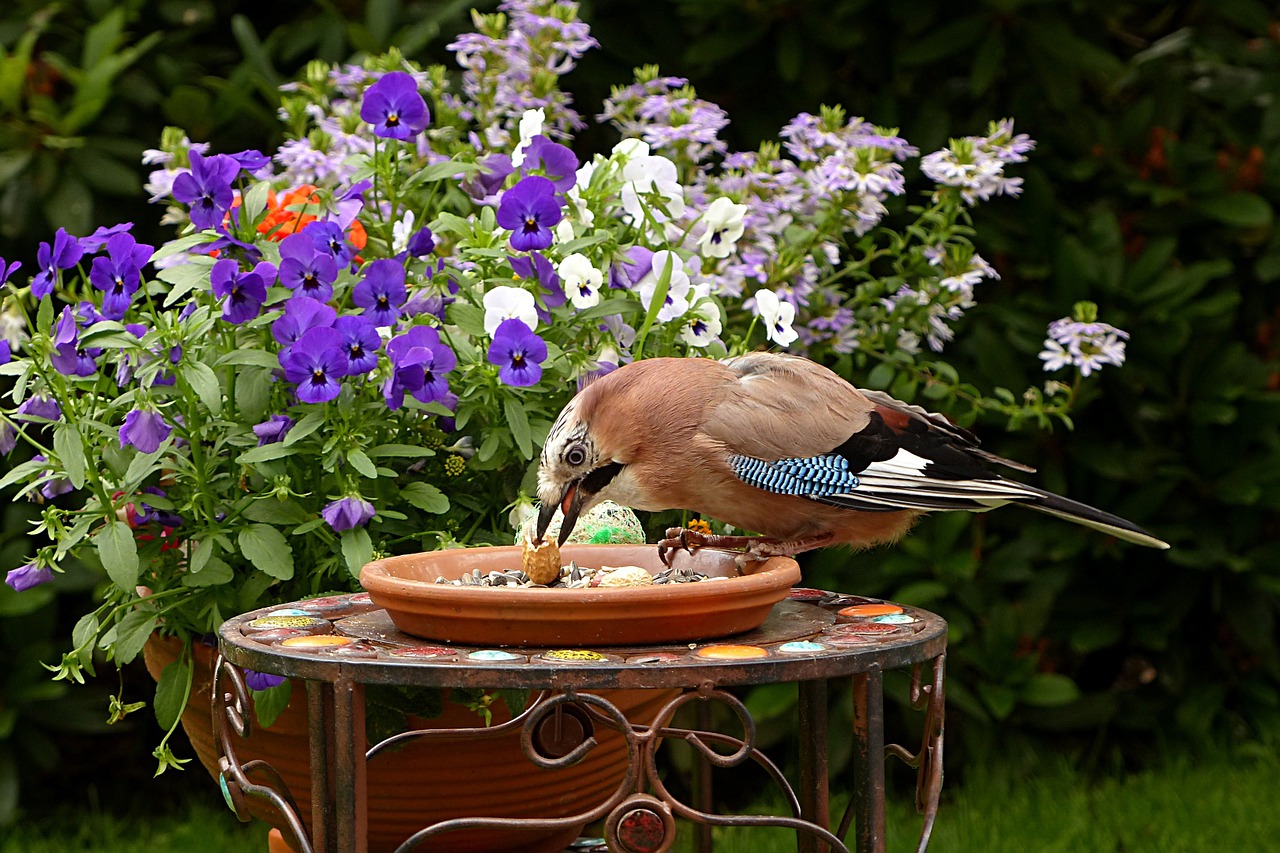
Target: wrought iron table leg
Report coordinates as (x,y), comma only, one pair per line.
(815,804)
(702,782)
(339,805)
(868,761)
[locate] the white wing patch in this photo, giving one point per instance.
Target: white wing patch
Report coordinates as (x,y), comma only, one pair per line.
(903,483)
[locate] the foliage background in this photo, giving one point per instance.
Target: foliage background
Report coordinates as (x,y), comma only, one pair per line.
(1152,191)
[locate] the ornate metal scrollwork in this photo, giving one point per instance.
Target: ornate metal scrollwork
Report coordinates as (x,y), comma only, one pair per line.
(931,698)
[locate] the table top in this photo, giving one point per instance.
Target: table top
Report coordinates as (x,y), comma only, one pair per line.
(812,634)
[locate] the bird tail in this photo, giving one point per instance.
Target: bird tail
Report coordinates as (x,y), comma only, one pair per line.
(1105,522)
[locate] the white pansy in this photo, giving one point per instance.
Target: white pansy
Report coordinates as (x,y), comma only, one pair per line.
(679,288)
(504,303)
(401,231)
(723,221)
(702,325)
(645,176)
(777,317)
(580,280)
(563,230)
(629,149)
(530,126)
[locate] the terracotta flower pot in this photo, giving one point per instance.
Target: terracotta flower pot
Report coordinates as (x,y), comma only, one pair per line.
(428,781)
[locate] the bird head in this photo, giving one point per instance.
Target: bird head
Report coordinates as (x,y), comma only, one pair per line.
(574,473)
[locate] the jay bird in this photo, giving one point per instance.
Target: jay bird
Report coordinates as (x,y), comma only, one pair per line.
(777,445)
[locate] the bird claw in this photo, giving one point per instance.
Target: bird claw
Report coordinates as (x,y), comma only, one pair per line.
(679,539)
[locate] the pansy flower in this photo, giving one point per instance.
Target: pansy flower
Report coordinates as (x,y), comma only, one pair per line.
(518,353)
(37,408)
(7,270)
(676,300)
(243,292)
(301,313)
(381,292)
(529,210)
(777,317)
(581,280)
(69,358)
(702,325)
(306,270)
(273,429)
(723,223)
(504,303)
(95,241)
(360,342)
(144,429)
(119,274)
(553,161)
(64,254)
(316,364)
(206,189)
(536,266)
(27,576)
(420,362)
(347,513)
(394,107)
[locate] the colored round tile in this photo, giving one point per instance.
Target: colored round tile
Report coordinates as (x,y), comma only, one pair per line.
(275,635)
(288,611)
(327,606)
(867,611)
(321,641)
(842,640)
(493,655)
(424,652)
(356,650)
(801,647)
(574,656)
(361,598)
(894,619)
(805,594)
(731,652)
(656,657)
(864,628)
(310,624)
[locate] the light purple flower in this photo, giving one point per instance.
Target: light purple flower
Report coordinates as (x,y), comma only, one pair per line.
(536,266)
(119,274)
(483,186)
(529,210)
(394,107)
(206,189)
(360,342)
(52,486)
(27,576)
(65,253)
(306,270)
(552,160)
(519,354)
(346,513)
(300,314)
(69,358)
(273,429)
(316,364)
(144,429)
(381,292)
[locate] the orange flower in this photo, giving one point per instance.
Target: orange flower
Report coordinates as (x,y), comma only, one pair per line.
(291,211)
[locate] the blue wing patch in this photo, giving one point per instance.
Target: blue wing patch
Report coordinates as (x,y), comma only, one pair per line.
(813,476)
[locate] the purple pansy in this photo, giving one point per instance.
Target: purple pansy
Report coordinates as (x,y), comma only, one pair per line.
(329,238)
(119,274)
(244,292)
(305,269)
(64,254)
(556,162)
(95,241)
(68,357)
(529,210)
(52,486)
(255,680)
(8,438)
(251,160)
(360,342)
(394,107)
(7,270)
(537,267)
(518,352)
(273,429)
(38,407)
(626,274)
(420,362)
(421,243)
(300,314)
(346,513)
(381,292)
(144,429)
(206,189)
(483,186)
(27,576)
(316,364)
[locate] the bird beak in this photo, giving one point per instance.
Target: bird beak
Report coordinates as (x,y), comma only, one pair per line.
(570,504)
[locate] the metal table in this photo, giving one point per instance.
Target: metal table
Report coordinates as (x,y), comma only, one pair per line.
(811,638)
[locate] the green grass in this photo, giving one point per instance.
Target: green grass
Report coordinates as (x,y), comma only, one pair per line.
(1181,807)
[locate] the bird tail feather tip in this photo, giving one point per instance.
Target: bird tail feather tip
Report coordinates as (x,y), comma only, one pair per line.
(1079,513)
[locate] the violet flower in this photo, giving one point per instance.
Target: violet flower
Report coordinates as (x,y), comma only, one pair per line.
(144,429)
(556,162)
(529,210)
(360,342)
(483,186)
(346,513)
(65,253)
(69,358)
(206,189)
(255,680)
(381,292)
(306,270)
(300,314)
(7,271)
(316,364)
(394,107)
(329,238)
(244,292)
(38,408)
(273,429)
(519,354)
(27,576)
(119,274)
(421,243)
(95,241)
(536,266)
(420,362)
(52,486)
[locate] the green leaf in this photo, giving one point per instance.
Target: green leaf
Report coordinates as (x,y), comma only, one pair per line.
(265,453)
(272,509)
(141,466)
(185,278)
(468,318)
(119,554)
(215,572)
(1239,210)
(249,358)
(171,692)
(268,550)
(1048,689)
(269,704)
(132,634)
(405,450)
(303,428)
(204,382)
(357,549)
(425,497)
(69,449)
(363,464)
(181,246)
(519,423)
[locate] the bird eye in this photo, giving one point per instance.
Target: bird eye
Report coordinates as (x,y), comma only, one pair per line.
(575,455)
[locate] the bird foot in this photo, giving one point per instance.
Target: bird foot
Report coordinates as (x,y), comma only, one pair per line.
(755,549)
